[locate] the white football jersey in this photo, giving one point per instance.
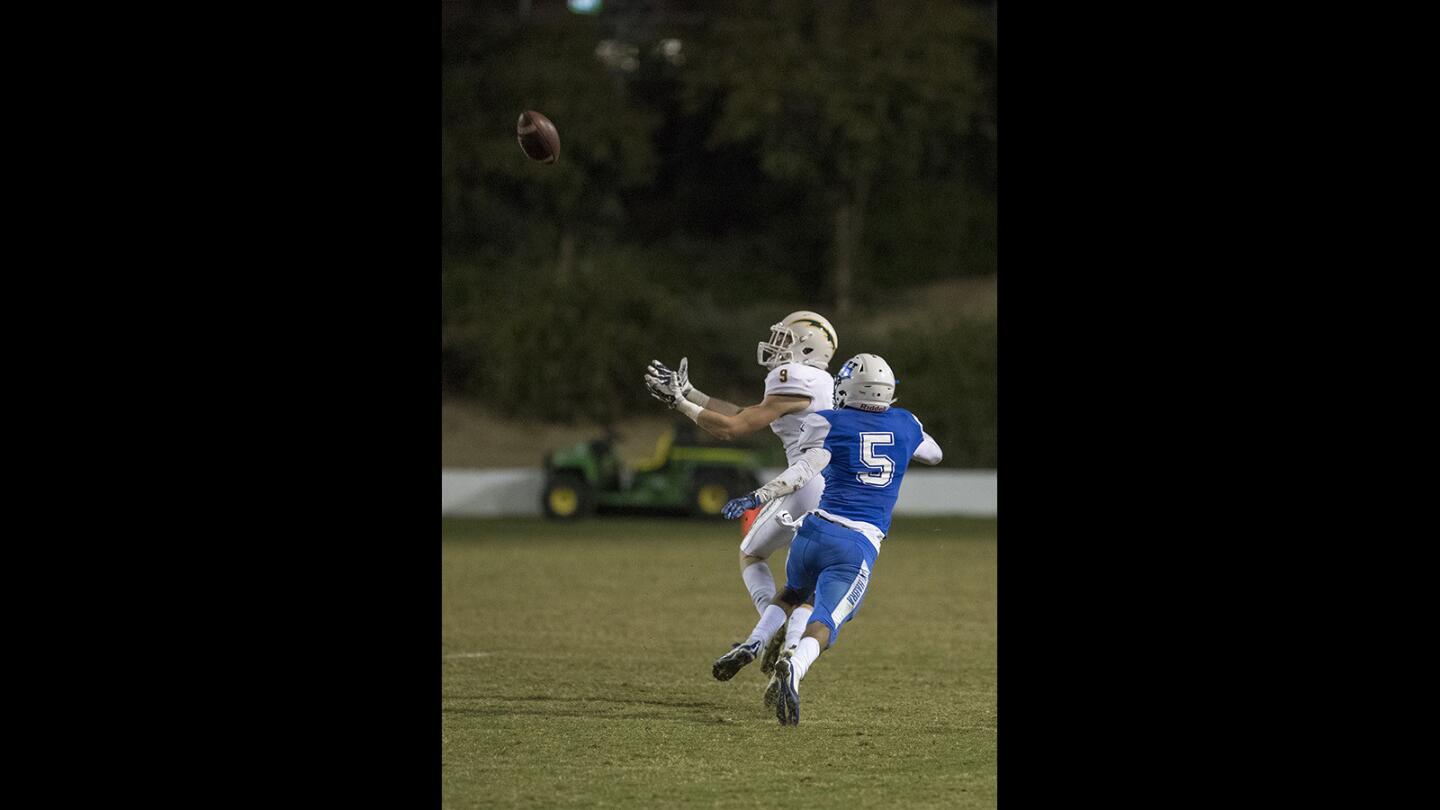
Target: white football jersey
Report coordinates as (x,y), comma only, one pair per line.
(794,379)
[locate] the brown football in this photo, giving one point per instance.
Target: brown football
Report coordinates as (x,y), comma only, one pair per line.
(537,137)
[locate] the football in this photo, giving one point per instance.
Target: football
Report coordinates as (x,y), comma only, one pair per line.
(538,137)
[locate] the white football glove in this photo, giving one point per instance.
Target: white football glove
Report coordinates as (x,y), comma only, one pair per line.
(660,381)
(662,391)
(678,381)
(665,384)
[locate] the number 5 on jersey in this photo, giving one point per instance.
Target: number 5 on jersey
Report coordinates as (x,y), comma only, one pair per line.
(882,465)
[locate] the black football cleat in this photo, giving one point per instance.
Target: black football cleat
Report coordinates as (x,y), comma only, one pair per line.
(732,662)
(787,696)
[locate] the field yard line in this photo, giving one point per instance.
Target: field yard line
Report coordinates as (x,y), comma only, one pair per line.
(467,655)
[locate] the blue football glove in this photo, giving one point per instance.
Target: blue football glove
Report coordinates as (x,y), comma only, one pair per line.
(737,506)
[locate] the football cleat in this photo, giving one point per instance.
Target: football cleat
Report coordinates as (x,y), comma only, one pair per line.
(772,651)
(787,693)
(772,689)
(730,663)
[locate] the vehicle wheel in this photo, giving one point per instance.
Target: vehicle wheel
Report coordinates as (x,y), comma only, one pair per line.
(567,496)
(711,491)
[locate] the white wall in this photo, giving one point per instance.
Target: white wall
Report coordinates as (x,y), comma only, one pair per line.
(489,493)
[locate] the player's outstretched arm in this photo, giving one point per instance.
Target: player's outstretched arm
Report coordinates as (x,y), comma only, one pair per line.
(657,374)
(660,376)
(723,427)
(721,407)
(813,458)
(748,420)
(674,389)
(797,475)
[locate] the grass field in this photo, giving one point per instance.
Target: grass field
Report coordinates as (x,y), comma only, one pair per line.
(576,672)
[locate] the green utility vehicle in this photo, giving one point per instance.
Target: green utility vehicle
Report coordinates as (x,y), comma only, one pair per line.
(683,476)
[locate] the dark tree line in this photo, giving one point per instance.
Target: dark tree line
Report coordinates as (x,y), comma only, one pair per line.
(720,162)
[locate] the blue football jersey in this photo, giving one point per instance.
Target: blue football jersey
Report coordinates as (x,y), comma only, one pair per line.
(869,453)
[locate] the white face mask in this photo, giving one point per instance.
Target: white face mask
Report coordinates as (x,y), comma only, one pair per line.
(776,351)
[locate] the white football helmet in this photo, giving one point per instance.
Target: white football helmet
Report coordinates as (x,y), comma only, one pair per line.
(801,337)
(865,382)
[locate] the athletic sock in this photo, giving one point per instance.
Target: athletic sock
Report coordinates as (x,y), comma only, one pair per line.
(760,583)
(769,623)
(805,655)
(799,617)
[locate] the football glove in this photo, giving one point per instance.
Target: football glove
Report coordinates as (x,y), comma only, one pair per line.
(662,390)
(737,506)
(676,381)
